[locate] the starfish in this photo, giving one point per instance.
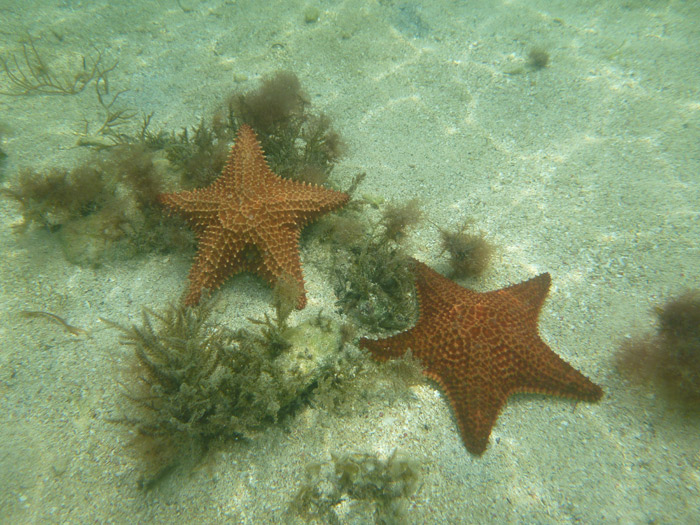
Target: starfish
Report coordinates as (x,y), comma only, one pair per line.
(249,219)
(481,348)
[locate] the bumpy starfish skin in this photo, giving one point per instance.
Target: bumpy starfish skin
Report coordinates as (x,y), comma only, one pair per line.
(249,219)
(481,348)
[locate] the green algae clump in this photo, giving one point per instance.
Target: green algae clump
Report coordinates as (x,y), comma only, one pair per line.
(358,488)
(195,383)
(669,360)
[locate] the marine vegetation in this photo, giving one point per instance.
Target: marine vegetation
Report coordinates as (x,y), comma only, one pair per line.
(669,360)
(103,208)
(398,218)
(372,278)
(373,282)
(358,488)
(469,253)
(49,316)
(106,207)
(30,71)
(298,144)
(537,58)
(196,383)
(55,196)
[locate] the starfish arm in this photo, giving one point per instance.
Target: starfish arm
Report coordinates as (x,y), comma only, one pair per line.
(476,407)
(436,293)
(530,293)
(301,203)
(246,170)
(198,207)
(214,263)
(279,253)
(547,373)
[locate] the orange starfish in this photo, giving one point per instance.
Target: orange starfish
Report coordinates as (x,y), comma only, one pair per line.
(481,348)
(249,219)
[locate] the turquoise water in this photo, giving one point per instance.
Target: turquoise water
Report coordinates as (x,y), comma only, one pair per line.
(586,168)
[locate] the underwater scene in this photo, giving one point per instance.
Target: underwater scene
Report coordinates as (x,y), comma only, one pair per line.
(350,261)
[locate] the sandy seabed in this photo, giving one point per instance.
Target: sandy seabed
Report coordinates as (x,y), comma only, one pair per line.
(588,168)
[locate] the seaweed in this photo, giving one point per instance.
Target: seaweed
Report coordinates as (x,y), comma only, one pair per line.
(273,105)
(373,489)
(397,218)
(105,205)
(299,145)
(374,286)
(373,281)
(115,117)
(55,196)
(37,314)
(3,156)
(117,121)
(669,360)
(29,72)
(200,152)
(311,15)
(470,253)
(177,384)
(357,381)
(286,294)
(537,58)
(196,383)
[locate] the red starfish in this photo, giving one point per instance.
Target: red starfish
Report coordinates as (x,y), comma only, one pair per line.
(481,348)
(249,219)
